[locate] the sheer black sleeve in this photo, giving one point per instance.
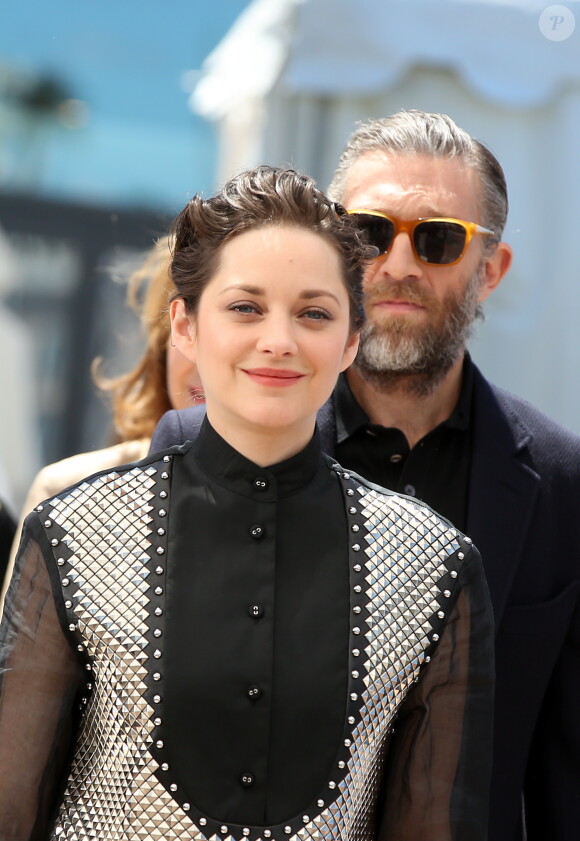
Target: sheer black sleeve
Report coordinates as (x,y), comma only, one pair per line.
(436,783)
(40,677)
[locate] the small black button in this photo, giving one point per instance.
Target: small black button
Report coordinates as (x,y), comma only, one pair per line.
(254,692)
(256,611)
(257,532)
(396,458)
(247,780)
(260,483)
(409,490)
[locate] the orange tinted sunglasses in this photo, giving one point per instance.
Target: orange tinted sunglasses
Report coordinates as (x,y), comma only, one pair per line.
(436,241)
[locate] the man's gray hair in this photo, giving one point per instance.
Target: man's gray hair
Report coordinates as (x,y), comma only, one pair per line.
(437,136)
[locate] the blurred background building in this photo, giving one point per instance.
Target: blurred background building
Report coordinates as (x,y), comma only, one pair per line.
(98,151)
(112,115)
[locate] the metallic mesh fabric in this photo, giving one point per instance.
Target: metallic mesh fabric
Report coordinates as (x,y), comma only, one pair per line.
(109,541)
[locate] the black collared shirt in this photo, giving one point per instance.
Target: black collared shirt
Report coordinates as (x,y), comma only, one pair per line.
(258,628)
(435,470)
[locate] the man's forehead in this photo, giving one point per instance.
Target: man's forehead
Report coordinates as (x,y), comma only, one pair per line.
(421,183)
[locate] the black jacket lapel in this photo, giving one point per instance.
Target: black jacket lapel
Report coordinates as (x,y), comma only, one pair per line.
(502,490)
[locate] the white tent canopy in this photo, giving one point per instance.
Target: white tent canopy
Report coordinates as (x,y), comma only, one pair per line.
(292,77)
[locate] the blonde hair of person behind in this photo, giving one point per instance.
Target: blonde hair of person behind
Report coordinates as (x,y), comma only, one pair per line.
(139,397)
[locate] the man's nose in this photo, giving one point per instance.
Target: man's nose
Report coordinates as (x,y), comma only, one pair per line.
(400,261)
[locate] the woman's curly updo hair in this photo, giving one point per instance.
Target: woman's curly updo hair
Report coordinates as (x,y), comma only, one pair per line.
(261,197)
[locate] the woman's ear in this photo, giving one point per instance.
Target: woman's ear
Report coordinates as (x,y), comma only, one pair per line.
(350,351)
(183,332)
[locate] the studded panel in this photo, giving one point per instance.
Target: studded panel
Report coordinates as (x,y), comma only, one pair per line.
(108,536)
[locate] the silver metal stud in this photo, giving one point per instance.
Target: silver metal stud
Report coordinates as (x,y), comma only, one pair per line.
(245,831)
(435,637)
(157,632)
(166,459)
(355,674)
(357,588)
(162,512)
(165,475)
(453,573)
(159,570)
(320,803)
(158,611)
(187,807)
(356,547)
(65,582)
(352,510)
(160,532)
(332,784)
(163,494)
(355,652)
(353,696)
(287,830)
(356,609)
(461,555)
(441,614)
(446,593)
(47,524)
(224,830)
(267,833)
(305,818)
(159,743)
(349,492)
(347,743)
(157,654)
(60,562)
(342,764)
(427,659)
(202,821)
(54,542)
(346,475)
(357,567)
(80,648)
(157,722)
(68,603)
(72,627)
(173,787)
(156,675)
(356,630)
(39,508)
(165,766)
(158,591)
(157,699)
(160,550)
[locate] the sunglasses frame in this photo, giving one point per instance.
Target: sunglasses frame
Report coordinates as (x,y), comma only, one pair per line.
(408,227)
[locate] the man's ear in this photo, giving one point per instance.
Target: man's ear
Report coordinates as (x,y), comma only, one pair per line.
(350,351)
(183,332)
(496,267)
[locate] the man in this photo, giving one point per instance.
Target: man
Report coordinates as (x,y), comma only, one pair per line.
(416,415)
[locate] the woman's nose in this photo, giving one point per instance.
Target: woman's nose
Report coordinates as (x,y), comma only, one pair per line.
(277,336)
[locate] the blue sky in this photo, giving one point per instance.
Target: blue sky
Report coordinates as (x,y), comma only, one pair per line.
(126,60)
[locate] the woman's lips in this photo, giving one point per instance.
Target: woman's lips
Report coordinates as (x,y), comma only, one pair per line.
(277,377)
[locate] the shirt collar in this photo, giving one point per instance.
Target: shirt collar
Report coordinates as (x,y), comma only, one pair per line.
(350,416)
(227,466)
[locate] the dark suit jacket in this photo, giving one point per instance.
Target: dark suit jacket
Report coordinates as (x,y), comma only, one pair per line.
(524,516)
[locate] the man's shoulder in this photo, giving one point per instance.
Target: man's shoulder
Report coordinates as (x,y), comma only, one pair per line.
(176,427)
(547,439)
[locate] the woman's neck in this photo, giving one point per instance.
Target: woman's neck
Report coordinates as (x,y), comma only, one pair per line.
(263,445)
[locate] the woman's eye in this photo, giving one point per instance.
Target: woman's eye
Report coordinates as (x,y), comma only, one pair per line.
(244,308)
(317,315)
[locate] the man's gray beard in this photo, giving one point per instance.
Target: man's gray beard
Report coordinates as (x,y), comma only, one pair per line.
(395,357)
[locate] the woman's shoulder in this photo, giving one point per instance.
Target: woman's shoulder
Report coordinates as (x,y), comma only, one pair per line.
(54,478)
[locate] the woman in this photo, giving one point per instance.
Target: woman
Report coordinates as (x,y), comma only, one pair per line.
(162,379)
(237,639)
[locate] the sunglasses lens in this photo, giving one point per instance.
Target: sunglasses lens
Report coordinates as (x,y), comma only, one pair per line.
(377,230)
(439,243)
